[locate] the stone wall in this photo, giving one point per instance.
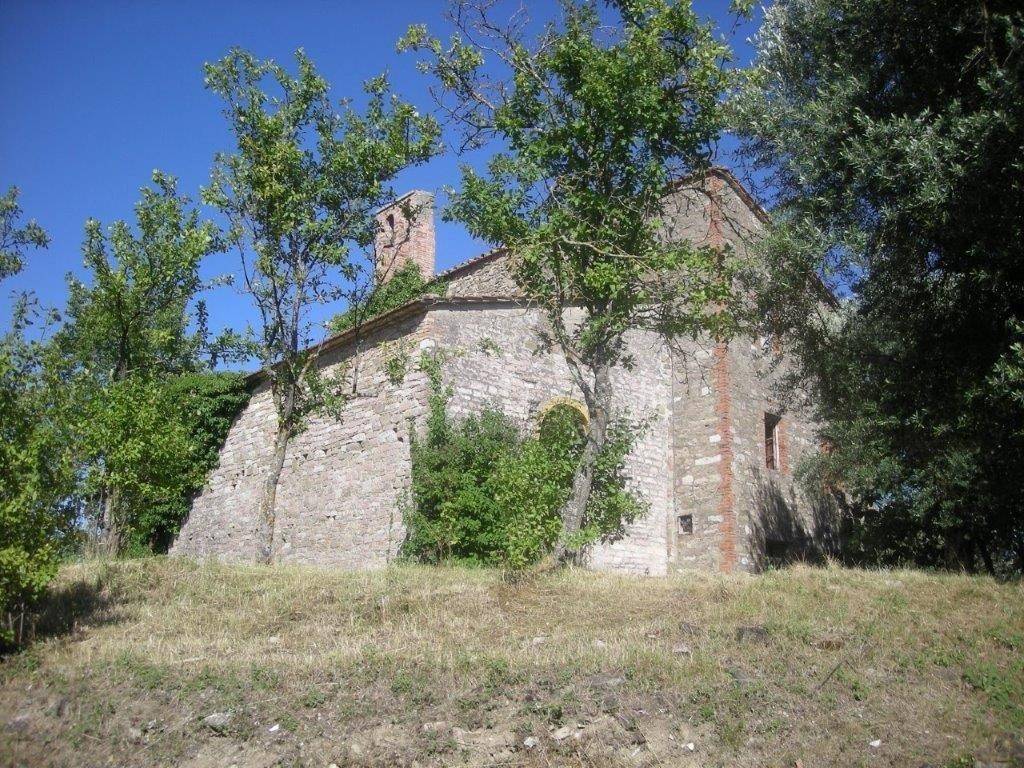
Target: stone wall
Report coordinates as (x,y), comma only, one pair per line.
(730,508)
(772,512)
(487,276)
(337,500)
(698,429)
(494,358)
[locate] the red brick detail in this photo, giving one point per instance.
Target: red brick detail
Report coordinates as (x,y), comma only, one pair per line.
(405,232)
(726,508)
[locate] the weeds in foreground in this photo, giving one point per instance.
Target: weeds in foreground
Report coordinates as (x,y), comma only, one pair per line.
(445,664)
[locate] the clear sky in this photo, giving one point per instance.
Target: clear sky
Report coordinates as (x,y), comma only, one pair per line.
(97,94)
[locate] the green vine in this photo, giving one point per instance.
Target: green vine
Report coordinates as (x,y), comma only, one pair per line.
(396,356)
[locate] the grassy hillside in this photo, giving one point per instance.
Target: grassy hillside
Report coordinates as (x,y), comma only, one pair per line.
(163,662)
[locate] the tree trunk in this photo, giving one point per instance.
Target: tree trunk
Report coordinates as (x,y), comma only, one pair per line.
(598,407)
(986,557)
(267,511)
(110,544)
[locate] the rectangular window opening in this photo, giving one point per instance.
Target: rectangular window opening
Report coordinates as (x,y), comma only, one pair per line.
(771,440)
(686,524)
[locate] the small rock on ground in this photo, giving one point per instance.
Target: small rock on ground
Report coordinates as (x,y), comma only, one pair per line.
(20,723)
(217,721)
(562,733)
(753,634)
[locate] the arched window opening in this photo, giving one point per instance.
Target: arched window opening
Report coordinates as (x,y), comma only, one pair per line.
(562,425)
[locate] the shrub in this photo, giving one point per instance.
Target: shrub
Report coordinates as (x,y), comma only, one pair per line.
(532,485)
(485,492)
(34,476)
(453,515)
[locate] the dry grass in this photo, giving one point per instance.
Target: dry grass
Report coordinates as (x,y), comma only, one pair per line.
(418,666)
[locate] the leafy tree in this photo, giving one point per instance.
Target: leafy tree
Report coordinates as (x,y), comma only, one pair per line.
(34,468)
(16,237)
(127,329)
(592,123)
(134,316)
(893,133)
(299,193)
(35,476)
(138,457)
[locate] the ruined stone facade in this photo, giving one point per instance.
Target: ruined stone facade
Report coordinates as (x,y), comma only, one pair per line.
(714,466)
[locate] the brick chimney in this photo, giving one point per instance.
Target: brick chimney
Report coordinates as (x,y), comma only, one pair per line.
(405,233)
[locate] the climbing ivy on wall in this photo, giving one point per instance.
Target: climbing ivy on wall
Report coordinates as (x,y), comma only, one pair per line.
(202,407)
(405,285)
(486,491)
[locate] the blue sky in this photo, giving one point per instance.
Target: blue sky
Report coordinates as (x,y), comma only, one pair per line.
(97,94)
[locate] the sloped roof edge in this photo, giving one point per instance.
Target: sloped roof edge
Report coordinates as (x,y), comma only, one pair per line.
(407,310)
(715,170)
(741,191)
(424,303)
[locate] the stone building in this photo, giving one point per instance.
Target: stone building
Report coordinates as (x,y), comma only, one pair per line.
(714,466)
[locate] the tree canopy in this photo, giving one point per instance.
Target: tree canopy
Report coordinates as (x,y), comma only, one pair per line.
(590,124)
(893,134)
(300,192)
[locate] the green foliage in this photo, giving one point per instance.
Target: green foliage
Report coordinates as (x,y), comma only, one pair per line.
(893,133)
(592,123)
(612,505)
(14,237)
(532,485)
(200,410)
(396,361)
(209,403)
(149,442)
(300,193)
(484,492)
(132,327)
(34,472)
(34,467)
(454,516)
(405,285)
(133,317)
(138,457)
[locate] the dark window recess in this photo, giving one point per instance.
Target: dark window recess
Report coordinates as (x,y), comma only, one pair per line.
(771,441)
(686,523)
(391,223)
